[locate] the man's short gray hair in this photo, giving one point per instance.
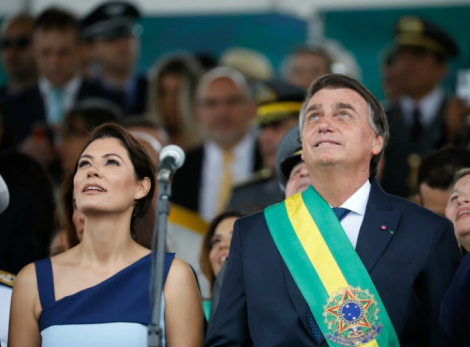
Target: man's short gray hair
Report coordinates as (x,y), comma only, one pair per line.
(223,72)
(377,117)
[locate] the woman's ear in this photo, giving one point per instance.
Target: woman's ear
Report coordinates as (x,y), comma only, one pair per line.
(143,189)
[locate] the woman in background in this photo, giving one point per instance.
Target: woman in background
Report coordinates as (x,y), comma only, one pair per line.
(96,294)
(172,88)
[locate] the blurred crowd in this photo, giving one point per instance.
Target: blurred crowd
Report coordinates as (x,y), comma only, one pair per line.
(68,75)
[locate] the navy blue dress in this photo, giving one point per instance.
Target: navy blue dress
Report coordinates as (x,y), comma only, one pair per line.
(115,312)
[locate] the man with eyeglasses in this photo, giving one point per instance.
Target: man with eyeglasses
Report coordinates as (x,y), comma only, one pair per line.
(16,54)
(229,154)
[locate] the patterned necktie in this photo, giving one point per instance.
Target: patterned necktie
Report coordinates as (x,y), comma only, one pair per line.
(225,187)
(340,213)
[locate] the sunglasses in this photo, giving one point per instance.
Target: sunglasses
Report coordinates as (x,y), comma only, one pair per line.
(17,42)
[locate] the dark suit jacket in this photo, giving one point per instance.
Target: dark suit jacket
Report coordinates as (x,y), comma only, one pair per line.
(17,231)
(455,309)
(260,304)
(397,171)
(26,108)
(188,180)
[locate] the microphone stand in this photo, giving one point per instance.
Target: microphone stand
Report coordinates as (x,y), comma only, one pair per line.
(155,333)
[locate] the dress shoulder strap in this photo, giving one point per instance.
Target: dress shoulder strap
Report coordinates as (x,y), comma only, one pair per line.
(45,282)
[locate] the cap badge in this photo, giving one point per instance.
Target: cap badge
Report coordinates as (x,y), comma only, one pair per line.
(411,25)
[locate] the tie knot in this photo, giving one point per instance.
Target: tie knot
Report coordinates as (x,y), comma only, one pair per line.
(340,212)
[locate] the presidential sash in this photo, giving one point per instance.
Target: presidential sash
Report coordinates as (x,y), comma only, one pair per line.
(329,273)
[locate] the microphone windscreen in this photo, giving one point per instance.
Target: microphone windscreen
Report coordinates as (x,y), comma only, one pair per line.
(174,152)
(4,195)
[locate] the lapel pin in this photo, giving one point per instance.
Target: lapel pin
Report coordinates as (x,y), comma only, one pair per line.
(383,227)
(391,232)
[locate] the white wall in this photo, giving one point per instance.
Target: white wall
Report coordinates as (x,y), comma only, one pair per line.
(302,8)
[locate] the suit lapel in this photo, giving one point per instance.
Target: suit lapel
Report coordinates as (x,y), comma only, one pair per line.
(378,227)
(298,300)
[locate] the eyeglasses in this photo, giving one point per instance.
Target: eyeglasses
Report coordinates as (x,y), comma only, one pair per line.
(17,42)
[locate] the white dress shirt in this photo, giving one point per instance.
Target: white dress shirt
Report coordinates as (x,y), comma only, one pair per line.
(357,204)
(69,94)
(5,301)
(429,107)
(212,172)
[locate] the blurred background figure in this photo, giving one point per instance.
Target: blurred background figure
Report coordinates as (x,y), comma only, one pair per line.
(254,65)
(279,105)
(111,28)
(390,77)
(436,176)
(417,120)
(78,124)
(36,114)
(229,154)
(172,96)
(306,64)
(16,54)
(215,247)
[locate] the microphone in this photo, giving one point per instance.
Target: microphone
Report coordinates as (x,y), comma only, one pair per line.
(4,195)
(171,159)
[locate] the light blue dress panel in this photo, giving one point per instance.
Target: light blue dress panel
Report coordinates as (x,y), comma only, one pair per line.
(114,313)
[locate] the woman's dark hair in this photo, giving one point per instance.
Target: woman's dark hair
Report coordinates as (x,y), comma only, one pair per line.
(64,214)
(207,244)
(143,167)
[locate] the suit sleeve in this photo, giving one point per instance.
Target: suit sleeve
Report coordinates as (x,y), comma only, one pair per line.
(455,308)
(229,326)
(442,264)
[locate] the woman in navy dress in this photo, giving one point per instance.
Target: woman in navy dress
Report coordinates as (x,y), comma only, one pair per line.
(96,294)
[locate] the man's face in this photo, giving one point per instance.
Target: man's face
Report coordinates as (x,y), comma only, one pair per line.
(224,112)
(307,67)
(57,55)
(270,137)
(434,199)
(336,132)
(419,71)
(117,53)
(299,180)
(16,51)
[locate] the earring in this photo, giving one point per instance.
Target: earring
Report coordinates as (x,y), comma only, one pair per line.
(138,195)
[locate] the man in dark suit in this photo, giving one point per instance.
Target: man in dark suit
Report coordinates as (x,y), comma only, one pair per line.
(113,34)
(229,153)
(409,254)
(57,55)
(417,119)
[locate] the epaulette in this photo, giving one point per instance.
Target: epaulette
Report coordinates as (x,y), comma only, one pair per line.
(256,177)
(7,278)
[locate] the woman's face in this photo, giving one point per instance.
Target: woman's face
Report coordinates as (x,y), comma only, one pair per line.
(220,244)
(78,220)
(105,181)
(458,207)
(169,91)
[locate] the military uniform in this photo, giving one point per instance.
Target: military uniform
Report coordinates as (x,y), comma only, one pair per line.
(416,127)
(113,20)
(6,288)
(278,101)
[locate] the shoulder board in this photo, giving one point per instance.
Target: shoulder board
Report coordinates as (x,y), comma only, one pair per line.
(189,219)
(256,177)
(7,278)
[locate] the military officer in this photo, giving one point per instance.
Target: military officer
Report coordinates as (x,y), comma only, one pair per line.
(279,106)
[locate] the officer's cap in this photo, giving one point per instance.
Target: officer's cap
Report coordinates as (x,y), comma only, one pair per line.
(412,31)
(110,20)
(277,100)
(288,154)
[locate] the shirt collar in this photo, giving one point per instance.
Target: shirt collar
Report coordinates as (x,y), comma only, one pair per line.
(429,105)
(70,87)
(357,203)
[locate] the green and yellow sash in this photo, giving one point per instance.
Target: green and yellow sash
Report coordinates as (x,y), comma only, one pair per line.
(329,273)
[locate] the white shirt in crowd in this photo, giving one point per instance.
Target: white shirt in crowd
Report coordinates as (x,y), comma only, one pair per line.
(212,172)
(429,106)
